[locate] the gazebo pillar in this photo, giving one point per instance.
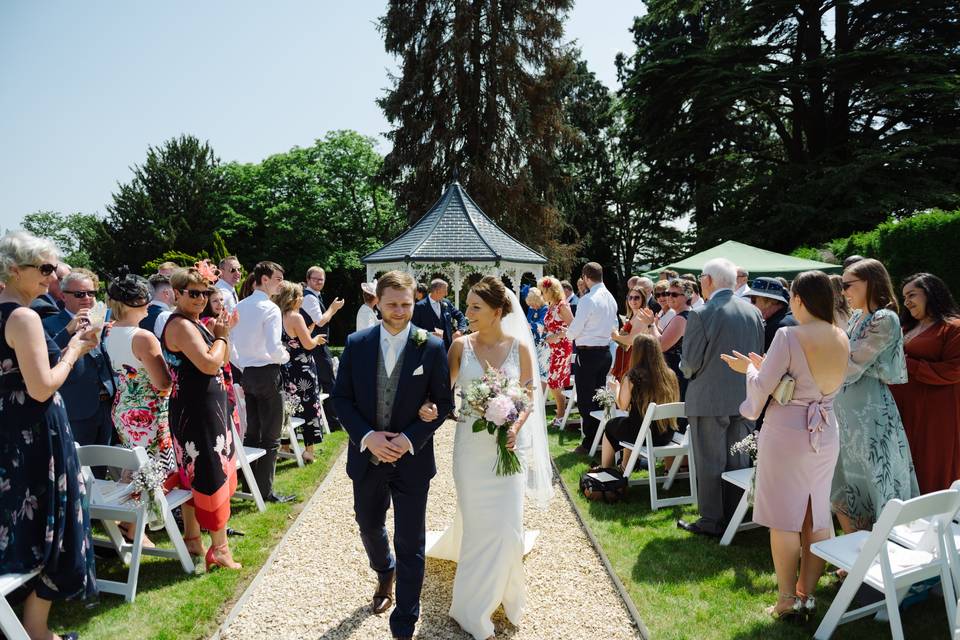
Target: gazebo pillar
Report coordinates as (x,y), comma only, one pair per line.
(457,284)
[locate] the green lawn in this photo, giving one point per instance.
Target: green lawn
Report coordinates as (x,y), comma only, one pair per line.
(171,604)
(687,586)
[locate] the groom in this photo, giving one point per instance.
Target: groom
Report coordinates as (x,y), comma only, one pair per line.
(386,373)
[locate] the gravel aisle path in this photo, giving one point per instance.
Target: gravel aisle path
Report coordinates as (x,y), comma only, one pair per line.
(319,585)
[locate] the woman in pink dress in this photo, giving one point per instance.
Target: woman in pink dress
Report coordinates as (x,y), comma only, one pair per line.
(799,444)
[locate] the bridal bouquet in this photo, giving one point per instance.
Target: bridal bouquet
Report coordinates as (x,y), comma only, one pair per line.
(499,401)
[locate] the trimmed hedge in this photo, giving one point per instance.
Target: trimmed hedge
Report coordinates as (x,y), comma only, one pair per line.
(927,241)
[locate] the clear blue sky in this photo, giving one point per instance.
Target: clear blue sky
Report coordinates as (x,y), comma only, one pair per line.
(86,86)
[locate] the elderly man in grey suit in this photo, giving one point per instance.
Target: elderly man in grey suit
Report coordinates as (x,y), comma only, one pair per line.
(726,323)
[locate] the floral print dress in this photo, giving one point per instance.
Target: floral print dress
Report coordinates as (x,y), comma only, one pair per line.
(875,463)
(559,374)
(301,386)
(202,440)
(44,508)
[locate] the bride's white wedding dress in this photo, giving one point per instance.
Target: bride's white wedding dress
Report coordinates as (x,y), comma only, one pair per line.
(486,538)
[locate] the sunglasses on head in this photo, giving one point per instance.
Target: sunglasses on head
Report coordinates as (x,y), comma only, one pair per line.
(193,293)
(848,283)
(82,294)
(44,269)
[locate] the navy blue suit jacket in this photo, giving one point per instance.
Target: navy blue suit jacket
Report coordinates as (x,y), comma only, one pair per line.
(452,319)
(150,321)
(81,391)
(46,305)
(355,399)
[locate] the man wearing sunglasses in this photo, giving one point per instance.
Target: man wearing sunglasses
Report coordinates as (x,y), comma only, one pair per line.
(89,389)
(51,303)
(231,273)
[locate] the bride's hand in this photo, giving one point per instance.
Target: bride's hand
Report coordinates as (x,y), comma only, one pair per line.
(428,412)
(512,438)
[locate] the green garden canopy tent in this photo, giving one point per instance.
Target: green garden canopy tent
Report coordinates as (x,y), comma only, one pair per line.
(759,262)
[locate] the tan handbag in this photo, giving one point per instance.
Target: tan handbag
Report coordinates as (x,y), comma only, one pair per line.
(783,394)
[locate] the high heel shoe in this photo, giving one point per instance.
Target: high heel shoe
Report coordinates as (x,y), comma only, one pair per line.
(212,560)
(192,550)
(797,611)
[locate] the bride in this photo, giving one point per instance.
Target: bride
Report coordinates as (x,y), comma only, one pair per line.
(486,538)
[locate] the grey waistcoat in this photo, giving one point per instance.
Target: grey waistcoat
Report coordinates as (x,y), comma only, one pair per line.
(387,389)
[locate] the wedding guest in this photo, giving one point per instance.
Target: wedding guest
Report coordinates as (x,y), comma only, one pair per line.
(435,313)
(671,337)
(799,444)
(214,309)
(37,454)
(298,375)
(783,282)
(199,414)
(51,303)
(367,313)
(929,402)
(841,308)
(695,300)
(772,299)
(596,319)
(662,296)
(646,284)
(536,314)
(647,380)
(316,312)
(421,293)
(875,463)
(668,275)
(260,352)
(89,389)
(743,279)
(571,298)
(634,324)
(714,392)
(231,273)
(850,260)
(246,287)
(558,318)
(161,302)
(167,268)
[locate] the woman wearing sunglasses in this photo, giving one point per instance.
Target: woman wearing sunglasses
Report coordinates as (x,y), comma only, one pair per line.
(676,299)
(200,413)
(875,463)
(44,517)
(633,325)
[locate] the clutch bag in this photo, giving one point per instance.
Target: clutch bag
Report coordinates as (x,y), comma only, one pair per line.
(783,394)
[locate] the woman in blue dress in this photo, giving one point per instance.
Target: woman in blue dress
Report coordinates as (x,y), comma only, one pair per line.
(536,314)
(44,510)
(875,464)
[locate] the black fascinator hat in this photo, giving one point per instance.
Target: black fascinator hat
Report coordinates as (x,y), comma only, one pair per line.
(129,288)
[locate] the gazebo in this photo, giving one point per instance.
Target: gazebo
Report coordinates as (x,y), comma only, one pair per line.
(455,238)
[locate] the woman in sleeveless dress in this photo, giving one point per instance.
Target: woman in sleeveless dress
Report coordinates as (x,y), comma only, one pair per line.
(800,442)
(677,299)
(487,538)
(558,318)
(44,509)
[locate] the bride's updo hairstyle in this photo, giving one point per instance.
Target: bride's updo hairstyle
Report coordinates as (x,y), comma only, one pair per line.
(493,293)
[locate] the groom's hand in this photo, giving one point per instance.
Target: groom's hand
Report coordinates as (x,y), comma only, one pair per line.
(381,444)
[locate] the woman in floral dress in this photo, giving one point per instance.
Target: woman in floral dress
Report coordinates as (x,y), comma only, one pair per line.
(558,318)
(875,463)
(199,414)
(44,509)
(299,374)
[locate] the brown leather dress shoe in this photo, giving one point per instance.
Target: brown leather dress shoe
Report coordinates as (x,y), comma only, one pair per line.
(383,596)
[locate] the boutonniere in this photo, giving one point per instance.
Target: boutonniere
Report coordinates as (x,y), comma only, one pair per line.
(419,337)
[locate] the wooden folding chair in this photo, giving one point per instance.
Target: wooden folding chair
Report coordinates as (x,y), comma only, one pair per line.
(9,622)
(111,502)
(680,448)
(246,455)
(871,558)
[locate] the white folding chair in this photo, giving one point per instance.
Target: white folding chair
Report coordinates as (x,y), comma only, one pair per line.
(296,452)
(680,448)
(111,502)
(323,415)
(246,455)
(9,622)
(601,415)
(742,478)
(869,557)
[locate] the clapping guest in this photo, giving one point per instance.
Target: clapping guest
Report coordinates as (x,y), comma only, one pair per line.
(558,318)
(799,444)
(536,314)
(260,351)
(929,402)
(677,298)
(89,390)
(208,317)
(44,513)
(231,273)
(875,464)
(662,296)
(161,303)
(634,324)
(367,313)
(647,380)
(199,414)
(298,375)
(316,312)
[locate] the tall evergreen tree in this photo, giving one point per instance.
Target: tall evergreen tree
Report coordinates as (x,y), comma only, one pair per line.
(477,92)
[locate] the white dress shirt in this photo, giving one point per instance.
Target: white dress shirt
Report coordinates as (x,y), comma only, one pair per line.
(256,338)
(742,291)
(366,317)
(596,318)
(161,322)
(397,342)
(437,309)
(229,295)
(311,304)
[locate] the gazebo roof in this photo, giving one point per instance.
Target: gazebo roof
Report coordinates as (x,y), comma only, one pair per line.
(455,230)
